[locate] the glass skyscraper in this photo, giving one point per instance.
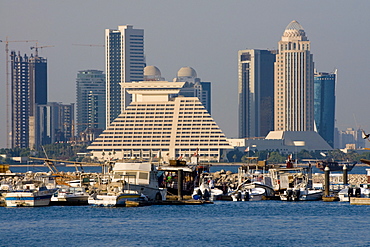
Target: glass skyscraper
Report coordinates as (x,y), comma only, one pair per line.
(324,105)
(125,62)
(255,92)
(90,100)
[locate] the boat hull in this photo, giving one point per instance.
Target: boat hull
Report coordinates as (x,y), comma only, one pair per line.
(28,199)
(115,200)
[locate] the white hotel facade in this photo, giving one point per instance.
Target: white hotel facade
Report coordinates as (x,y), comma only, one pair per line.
(156,124)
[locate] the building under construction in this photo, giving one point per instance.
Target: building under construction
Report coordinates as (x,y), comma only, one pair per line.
(28,89)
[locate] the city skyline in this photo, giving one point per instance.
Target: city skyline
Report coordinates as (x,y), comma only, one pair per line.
(207,42)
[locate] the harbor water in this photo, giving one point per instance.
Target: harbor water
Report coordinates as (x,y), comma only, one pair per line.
(224,223)
(260,223)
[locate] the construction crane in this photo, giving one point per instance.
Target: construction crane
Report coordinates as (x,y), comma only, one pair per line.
(36,47)
(88,45)
(6,41)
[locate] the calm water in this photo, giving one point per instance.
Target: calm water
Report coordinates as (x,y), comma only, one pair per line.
(263,223)
(232,168)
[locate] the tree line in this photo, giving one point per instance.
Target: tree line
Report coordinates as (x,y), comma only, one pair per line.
(60,151)
(276,157)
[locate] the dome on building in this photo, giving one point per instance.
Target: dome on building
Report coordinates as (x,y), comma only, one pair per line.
(152,71)
(294,25)
(294,29)
(186,72)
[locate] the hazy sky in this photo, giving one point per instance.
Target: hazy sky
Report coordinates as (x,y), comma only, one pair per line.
(205,35)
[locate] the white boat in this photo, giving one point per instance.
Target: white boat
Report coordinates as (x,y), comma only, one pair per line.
(206,190)
(141,177)
(118,199)
(248,194)
(301,194)
(30,196)
(70,196)
(358,192)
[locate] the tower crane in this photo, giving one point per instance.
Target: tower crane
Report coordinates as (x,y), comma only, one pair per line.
(88,45)
(36,47)
(6,41)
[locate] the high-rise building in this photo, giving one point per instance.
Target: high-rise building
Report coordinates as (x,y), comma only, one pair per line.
(324,105)
(19,100)
(255,92)
(294,81)
(194,87)
(155,123)
(90,100)
(66,120)
(55,123)
(125,62)
(38,95)
(29,89)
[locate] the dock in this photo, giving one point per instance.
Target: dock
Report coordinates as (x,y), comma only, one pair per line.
(359,201)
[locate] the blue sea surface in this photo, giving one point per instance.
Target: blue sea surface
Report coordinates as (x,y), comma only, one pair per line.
(261,223)
(213,168)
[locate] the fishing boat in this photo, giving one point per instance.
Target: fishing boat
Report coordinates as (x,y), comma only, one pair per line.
(334,165)
(346,194)
(294,184)
(116,196)
(248,194)
(126,198)
(252,182)
(70,196)
(142,177)
(301,194)
(206,190)
(32,195)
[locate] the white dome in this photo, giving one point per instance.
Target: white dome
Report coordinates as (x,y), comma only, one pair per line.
(294,29)
(152,71)
(186,72)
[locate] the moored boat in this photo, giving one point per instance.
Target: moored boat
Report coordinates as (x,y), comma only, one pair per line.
(70,196)
(29,197)
(334,165)
(119,199)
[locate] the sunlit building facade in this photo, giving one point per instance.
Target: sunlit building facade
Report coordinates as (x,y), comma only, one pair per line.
(294,81)
(125,62)
(156,123)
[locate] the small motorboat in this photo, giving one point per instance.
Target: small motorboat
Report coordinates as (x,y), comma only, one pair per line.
(301,194)
(70,196)
(32,195)
(127,198)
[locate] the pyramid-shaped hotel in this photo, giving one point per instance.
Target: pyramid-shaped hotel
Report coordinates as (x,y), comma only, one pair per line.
(156,123)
